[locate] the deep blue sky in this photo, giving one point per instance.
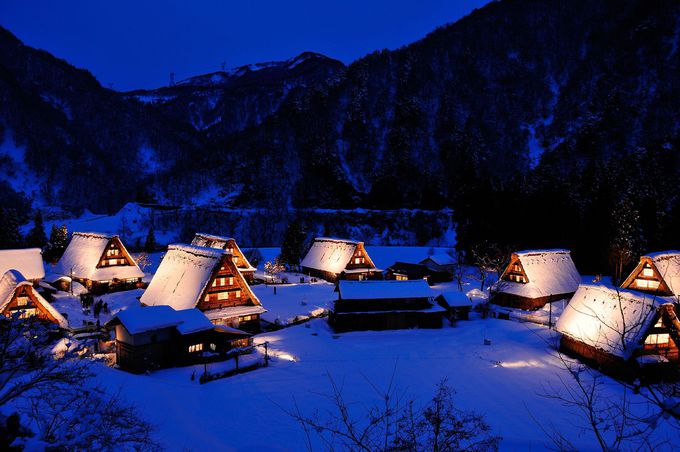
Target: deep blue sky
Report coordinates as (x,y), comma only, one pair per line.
(137,43)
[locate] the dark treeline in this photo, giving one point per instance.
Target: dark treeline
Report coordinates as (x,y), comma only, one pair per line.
(540,123)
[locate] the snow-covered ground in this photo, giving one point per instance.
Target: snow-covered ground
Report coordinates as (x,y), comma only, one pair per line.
(117,301)
(504,381)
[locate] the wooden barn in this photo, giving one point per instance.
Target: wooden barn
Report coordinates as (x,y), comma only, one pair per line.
(405,271)
(656,273)
(536,277)
(229,245)
(457,304)
(205,278)
(335,259)
(385,305)
(99,262)
(619,330)
(18,297)
(155,337)
(26,261)
(440,267)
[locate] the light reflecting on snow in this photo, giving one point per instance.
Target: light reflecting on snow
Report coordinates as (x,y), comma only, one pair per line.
(516,364)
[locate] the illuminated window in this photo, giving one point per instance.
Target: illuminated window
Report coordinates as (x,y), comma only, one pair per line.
(357,260)
(195,348)
(245,318)
(223,295)
(235,259)
(113,261)
(238,293)
(26,313)
(22,301)
(402,277)
(647,271)
(645,284)
(658,339)
(231,280)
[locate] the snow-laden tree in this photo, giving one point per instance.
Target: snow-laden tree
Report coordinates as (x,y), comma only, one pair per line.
(50,390)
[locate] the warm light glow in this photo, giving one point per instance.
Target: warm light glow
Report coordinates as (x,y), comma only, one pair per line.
(517,364)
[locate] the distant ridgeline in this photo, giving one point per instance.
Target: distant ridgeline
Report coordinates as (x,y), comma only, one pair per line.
(540,124)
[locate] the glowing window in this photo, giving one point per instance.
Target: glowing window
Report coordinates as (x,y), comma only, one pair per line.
(238,293)
(645,284)
(658,339)
(231,280)
(22,301)
(245,318)
(647,271)
(222,295)
(195,348)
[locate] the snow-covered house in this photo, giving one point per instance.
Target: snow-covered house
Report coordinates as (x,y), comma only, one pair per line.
(536,277)
(404,271)
(205,278)
(458,305)
(334,259)
(441,267)
(656,273)
(27,261)
(154,337)
(614,327)
(227,244)
(99,262)
(385,305)
(19,298)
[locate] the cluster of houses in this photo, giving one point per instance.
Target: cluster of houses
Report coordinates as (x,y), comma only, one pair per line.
(618,329)
(199,304)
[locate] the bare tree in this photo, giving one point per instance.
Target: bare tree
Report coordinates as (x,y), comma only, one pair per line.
(459,268)
(142,260)
(55,391)
(395,423)
(273,268)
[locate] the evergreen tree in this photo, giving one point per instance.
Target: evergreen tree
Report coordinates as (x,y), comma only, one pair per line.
(57,243)
(150,243)
(10,237)
(293,244)
(36,236)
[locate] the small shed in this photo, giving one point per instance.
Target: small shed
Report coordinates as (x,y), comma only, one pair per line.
(18,297)
(536,277)
(154,337)
(99,262)
(441,267)
(334,259)
(229,245)
(27,261)
(614,328)
(457,304)
(385,305)
(405,271)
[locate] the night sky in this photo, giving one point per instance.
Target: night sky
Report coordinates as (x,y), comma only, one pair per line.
(130,44)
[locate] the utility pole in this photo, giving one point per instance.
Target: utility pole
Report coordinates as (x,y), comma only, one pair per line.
(266,354)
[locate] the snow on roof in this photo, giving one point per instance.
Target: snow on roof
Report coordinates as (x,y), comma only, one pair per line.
(182,276)
(202,239)
(234,311)
(12,279)
(549,272)
(83,254)
(610,319)
(441,259)
(329,254)
(456,299)
(141,319)
(375,290)
(27,261)
(216,241)
(668,265)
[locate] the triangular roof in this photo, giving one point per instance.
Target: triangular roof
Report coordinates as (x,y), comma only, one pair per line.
(84,253)
(183,276)
(216,241)
(333,255)
(666,266)
(548,272)
(610,319)
(27,261)
(12,279)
